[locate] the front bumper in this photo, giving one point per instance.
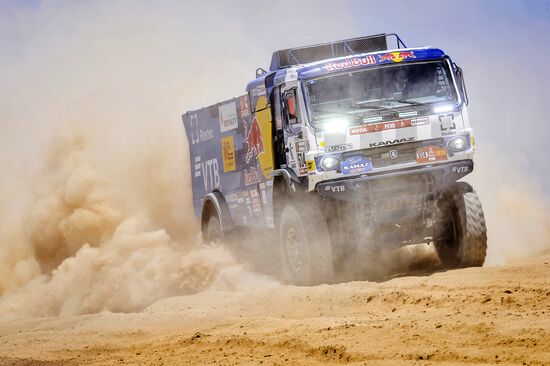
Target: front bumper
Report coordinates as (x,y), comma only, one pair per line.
(415,183)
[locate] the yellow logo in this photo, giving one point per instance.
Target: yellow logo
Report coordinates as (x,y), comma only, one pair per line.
(228,154)
(311,165)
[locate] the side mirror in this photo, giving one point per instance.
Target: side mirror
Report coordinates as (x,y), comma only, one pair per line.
(290,106)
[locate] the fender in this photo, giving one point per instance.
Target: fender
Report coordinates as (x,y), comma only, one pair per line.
(293,182)
(217,200)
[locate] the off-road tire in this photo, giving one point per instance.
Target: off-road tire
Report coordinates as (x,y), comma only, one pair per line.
(460,236)
(306,251)
(213,234)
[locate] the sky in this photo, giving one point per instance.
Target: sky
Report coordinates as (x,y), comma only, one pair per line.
(131,68)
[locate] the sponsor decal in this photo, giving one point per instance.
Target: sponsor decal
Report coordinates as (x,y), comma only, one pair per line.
(448,126)
(311,166)
(245,106)
(302,146)
(356,165)
(372,119)
(228,116)
(254,141)
(251,176)
(255,200)
(384,126)
(335,189)
(205,135)
(234,200)
(338,148)
(460,169)
(242,196)
(396,56)
(350,63)
(258,90)
(408,114)
(198,134)
(209,172)
(228,154)
(197,166)
(302,165)
(419,121)
(391,142)
(430,154)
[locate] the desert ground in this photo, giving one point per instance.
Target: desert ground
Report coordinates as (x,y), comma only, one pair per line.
(475,316)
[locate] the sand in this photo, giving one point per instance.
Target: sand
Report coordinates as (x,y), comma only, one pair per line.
(475,316)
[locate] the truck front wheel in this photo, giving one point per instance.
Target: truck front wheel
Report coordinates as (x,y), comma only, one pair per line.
(460,236)
(305,245)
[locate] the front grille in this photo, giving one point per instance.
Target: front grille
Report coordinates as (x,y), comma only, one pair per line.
(382,156)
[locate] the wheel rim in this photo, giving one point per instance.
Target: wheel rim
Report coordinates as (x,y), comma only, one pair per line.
(294,250)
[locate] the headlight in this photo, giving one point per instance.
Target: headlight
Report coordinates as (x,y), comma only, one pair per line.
(444,108)
(336,125)
(330,163)
(458,143)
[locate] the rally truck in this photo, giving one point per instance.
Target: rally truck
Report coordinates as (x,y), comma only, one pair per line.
(341,150)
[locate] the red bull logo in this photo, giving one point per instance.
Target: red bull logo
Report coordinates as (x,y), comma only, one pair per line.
(396,56)
(349,63)
(254,141)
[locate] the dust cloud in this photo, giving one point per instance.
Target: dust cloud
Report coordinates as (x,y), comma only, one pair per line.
(81,250)
(516,209)
(101,219)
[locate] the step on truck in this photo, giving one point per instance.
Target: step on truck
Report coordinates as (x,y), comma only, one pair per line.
(340,150)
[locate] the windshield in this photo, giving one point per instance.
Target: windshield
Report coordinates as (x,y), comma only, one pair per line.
(379,91)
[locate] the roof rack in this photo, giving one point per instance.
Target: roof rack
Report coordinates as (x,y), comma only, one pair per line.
(302,55)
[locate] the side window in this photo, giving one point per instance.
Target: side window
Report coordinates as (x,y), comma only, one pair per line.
(291,107)
(278,132)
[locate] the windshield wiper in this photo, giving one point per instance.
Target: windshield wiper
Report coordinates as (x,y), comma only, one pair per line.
(361,105)
(405,101)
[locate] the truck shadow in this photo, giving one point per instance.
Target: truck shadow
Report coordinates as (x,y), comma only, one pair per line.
(258,253)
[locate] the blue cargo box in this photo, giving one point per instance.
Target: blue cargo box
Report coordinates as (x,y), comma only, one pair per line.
(230,148)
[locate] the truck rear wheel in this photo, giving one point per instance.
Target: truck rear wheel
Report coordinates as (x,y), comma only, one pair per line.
(213,231)
(460,236)
(305,245)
